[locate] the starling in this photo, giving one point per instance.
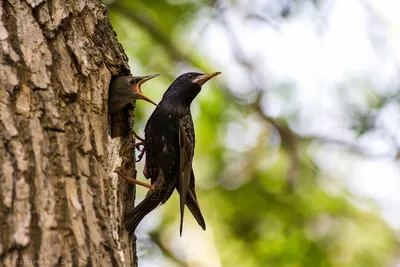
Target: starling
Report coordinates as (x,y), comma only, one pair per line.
(126,89)
(169,144)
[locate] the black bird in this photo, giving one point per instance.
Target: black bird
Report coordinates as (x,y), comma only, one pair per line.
(169,143)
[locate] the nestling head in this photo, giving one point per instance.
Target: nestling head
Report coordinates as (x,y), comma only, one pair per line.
(127,89)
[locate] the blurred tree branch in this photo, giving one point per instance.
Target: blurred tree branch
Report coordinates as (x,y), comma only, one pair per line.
(145,22)
(156,238)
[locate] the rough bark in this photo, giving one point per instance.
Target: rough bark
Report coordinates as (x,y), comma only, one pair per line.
(60,202)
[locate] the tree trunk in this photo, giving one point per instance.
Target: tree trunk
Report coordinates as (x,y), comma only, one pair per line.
(60,200)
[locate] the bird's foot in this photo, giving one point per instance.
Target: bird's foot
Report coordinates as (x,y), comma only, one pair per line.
(122,173)
(138,137)
(141,154)
(138,145)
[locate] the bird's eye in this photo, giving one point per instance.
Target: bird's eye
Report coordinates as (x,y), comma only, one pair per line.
(132,81)
(190,76)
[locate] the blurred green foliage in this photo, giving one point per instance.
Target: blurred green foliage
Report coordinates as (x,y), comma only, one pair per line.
(254,218)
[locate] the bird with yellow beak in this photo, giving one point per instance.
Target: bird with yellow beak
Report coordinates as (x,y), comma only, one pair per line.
(127,89)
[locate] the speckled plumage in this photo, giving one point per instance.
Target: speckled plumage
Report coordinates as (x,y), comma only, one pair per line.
(169,144)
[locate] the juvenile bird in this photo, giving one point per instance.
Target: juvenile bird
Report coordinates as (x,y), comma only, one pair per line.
(169,143)
(126,89)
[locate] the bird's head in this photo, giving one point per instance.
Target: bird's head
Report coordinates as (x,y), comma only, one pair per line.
(186,87)
(127,89)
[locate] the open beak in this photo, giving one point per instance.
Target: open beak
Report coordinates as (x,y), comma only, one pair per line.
(139,90)
(202,79)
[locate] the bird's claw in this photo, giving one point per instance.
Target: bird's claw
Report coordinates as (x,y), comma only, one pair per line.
(122,169)
(137,146)
(141,155)
(142,151)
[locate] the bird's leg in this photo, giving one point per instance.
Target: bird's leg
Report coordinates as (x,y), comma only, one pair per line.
(138,137)
(131,180)
(137,182)
(138,144)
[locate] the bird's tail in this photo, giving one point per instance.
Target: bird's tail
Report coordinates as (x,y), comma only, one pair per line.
(193,205)
(136,215)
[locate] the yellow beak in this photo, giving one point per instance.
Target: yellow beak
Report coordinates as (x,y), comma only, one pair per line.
(138,89)
(202,79)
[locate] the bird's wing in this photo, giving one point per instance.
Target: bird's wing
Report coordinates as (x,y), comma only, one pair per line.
(153,146)
(186,145)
